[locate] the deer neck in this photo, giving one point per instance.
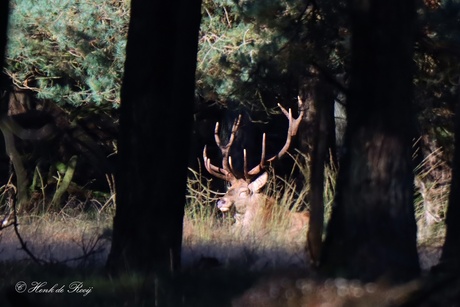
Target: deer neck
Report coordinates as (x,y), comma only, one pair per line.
(253,210)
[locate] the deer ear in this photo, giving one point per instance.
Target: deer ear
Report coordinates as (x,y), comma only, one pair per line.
(259,183)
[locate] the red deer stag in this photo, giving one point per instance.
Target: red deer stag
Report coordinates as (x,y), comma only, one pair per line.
(245,194)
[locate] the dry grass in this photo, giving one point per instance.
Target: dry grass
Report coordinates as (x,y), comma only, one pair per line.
(69,237)
(432,188)
(209,240)
(208,234)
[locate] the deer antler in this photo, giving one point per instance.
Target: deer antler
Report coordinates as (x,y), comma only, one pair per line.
(292,131)
(226,172)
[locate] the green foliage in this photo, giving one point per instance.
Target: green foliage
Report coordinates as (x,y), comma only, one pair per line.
(257,53)
(436,76)
(437,54)
(70,51)
(251,50)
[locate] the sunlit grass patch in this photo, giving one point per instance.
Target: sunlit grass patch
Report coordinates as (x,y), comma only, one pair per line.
(268,244)
(209,234)
(66,237)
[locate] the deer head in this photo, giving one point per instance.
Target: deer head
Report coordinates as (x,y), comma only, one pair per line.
(244,194)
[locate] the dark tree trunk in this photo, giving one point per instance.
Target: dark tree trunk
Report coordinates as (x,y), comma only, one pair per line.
(323,139)
(372,231)
(155,125)
(4,11)
(451,251)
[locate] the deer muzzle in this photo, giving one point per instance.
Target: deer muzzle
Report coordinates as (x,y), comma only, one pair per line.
(223,205)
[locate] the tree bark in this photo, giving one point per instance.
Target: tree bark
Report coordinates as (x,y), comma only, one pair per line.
(4,11)
(323,140)
(372,231)
(451,250)
(155,124)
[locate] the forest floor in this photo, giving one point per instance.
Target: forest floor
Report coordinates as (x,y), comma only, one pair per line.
(65,238)
(218,267)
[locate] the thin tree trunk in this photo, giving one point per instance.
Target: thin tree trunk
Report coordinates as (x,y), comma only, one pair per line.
(372,231)
(451,250)
(155,124)
(323,140)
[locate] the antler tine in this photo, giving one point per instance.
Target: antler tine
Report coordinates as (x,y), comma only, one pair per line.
(214,170)
(231,165)
(296,122)
(258,168)
(262,155)
(226,172)
(292,131)
(245,167)
(225,149)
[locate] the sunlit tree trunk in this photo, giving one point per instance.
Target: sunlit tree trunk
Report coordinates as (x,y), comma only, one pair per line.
(372,231)
(155,124)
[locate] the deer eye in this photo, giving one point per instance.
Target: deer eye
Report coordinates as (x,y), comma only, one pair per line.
(245,192)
